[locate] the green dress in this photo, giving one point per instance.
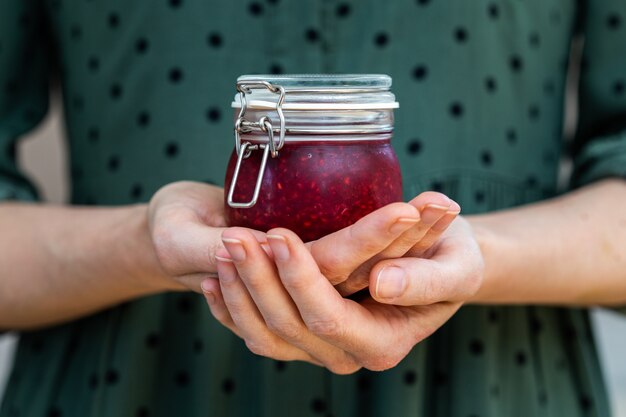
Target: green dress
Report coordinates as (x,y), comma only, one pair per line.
(147,86)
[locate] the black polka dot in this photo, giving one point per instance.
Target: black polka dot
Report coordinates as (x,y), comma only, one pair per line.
(112,377)
(76,32)
(255,8)
(364,382)
(494,391)
(93,64)
(184,304)
(113,163)
(136,191)
(175,4)
(614,21)
(410,377)
(479,196)
(436,186)
(276,69)
(343,10)
(153,340)
(520,358)
(93,134)
(535,325)
(24,20)
(214,39)
(312,35)
(423,2)
(142,412)
(115,91)
(414,147)
(555,17)
(175,75)
(381,39)
(456,110)
(143,119)
(228,386)
(280,365)
(36,345)
(476,347)
(213,114)
(511,136)
(461,35)
(534,39)
(618,88)
(516,63)
(490,84)
(141,45)
(440,378)
(198,345)
(113,20)
(182,379)
(93,381)
(493,11)
(532,181)
(549,87)
(534,112)
(54,412)
(420,72)
(318,405)
(586,403)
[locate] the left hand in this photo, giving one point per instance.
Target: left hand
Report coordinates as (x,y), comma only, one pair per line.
(286,309)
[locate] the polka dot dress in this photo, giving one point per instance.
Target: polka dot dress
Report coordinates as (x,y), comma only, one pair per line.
(146,89)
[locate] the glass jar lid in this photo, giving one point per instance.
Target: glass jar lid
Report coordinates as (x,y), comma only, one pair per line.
(319,92)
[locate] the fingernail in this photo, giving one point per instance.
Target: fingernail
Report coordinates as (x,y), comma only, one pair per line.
(206,289)
(402,224)
(454,208)
(223,259)
(235,248)
(433,212)
(390,282)
(279,247)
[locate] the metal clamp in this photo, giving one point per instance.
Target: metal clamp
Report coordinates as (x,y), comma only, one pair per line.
(248,147)
(264,125)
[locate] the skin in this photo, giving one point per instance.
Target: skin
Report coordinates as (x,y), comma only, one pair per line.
(503,257)
(83,260)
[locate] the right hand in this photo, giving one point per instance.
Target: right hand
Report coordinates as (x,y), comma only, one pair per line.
(186,220)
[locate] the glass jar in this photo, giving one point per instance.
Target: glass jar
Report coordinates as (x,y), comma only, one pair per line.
(312,152)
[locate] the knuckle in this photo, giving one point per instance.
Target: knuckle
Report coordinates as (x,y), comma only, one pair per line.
(262,347)
(325,327)
(286,329)
(344,367)
(383,362)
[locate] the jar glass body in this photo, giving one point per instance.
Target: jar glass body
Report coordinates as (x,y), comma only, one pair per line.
(316,187)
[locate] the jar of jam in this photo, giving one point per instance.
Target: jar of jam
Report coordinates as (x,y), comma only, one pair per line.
(312,152)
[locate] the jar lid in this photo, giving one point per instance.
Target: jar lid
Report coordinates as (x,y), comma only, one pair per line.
(320,92)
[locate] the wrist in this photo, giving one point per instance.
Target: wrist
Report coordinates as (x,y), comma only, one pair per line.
(140,259)
(494,249)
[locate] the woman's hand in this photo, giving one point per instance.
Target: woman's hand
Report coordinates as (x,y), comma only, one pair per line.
(287,309)
(186,222)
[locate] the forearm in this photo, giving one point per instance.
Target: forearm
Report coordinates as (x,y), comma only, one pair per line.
(569,250)
(59,263)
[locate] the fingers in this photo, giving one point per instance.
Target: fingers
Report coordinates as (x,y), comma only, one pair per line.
(437,213)
(341,322)
(247,319)
(340,253)
(454,274)
(281,316)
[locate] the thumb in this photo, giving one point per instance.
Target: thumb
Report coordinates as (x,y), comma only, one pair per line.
(418,281)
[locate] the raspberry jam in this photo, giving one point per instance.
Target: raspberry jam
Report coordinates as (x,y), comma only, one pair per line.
(316,188)
(313,152)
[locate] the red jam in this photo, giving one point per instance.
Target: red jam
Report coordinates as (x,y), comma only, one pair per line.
(315,188)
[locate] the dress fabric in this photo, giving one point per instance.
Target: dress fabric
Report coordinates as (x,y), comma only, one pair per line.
(146,90)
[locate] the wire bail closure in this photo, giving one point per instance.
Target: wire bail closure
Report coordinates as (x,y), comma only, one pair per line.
(264,125)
